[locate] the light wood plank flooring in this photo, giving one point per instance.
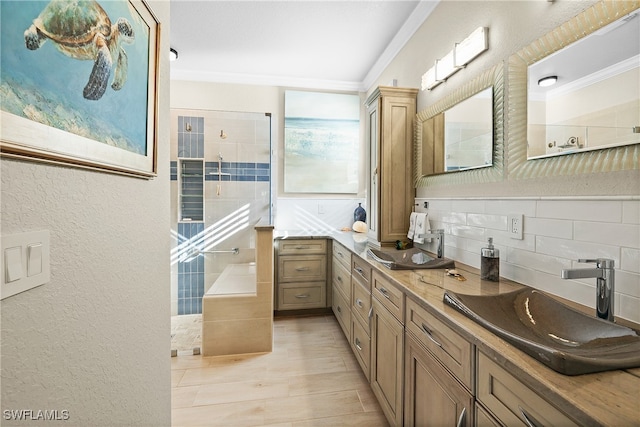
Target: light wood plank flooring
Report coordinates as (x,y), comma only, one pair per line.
(310,379)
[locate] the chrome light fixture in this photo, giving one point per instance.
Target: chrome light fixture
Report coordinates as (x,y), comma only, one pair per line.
(173,54)
(547,81)
(462,53)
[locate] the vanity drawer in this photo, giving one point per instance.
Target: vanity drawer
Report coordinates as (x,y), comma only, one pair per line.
(298,268)
(302,246)
(360,302)
(361,345)
(302,295)
(342,255)
(511,401)
(361,270)
(451,349)
(341,310)
(391,297)
(341,279)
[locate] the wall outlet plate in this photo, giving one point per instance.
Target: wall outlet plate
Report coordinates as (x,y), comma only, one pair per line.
(515,226)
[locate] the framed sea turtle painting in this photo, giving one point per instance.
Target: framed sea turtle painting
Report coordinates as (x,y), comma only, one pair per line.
(78,83)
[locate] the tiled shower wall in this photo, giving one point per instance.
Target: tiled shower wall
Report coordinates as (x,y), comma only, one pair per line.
(237,195)
(557,232)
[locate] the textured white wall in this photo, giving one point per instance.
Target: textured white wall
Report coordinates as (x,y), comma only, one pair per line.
(95,340)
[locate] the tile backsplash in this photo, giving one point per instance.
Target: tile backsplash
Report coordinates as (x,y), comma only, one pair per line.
(557,232)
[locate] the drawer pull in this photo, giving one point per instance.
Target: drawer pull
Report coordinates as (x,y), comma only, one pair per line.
(359,270)
(358,344)
(370,312)
(529,420)
(359,302)
(340,279)
(303,296)
(461,418)
(302,268)
(302,247)
(341,254)
(384,292)
(429,334)
(339,309)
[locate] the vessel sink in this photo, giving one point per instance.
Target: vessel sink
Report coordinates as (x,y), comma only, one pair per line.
(564,339)
(409,259)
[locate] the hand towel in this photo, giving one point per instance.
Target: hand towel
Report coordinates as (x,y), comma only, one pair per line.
(412,225)
(422,226)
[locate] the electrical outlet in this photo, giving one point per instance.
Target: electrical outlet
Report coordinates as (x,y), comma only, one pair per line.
(515,226)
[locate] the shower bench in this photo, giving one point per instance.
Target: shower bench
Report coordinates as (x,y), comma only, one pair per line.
(237,311)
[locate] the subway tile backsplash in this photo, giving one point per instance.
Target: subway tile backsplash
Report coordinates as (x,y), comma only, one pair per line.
(556,233)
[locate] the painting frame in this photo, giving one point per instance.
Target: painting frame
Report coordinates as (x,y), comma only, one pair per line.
(25,139)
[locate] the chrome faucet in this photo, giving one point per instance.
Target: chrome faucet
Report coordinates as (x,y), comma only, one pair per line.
(605,284)
(438,234)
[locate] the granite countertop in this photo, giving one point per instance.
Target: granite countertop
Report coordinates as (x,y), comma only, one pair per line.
(605,398)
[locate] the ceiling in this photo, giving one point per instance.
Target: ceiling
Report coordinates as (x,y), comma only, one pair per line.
(329,44)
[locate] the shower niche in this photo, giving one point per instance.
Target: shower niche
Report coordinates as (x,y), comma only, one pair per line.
(191,189)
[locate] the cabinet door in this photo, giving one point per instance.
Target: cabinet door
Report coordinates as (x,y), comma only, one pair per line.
(396,158)
(341,310)
(432,396)
(387,340)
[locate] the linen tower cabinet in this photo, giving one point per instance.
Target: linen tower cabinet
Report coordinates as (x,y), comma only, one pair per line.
(390,190)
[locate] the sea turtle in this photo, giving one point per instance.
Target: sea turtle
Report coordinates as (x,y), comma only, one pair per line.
(82,29)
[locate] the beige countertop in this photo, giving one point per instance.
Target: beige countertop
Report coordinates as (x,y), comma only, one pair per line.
(606,398)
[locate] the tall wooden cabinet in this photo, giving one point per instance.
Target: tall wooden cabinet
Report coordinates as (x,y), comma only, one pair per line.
(390,191)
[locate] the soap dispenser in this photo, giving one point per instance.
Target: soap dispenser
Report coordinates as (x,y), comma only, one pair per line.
(490,263)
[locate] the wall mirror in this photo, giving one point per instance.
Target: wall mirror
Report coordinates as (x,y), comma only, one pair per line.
(586,96)
(462,133)
(582,122)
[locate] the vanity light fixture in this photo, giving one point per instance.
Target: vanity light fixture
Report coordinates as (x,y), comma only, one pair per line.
(446,67)
(462,53)
(472,46)
(547,81)
(173,54)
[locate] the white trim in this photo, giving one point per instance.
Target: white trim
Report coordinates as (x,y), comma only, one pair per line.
(415,20)
(265,80)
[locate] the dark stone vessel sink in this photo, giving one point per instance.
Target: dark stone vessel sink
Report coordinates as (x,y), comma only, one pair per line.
(409,259)
(564,339)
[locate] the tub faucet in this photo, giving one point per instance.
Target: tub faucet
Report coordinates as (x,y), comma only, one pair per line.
(438,234)
(605,283)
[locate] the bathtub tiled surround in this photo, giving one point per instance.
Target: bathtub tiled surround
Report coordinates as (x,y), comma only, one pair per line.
(557,232)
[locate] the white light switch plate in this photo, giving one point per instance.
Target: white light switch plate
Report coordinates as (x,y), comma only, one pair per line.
(32,267)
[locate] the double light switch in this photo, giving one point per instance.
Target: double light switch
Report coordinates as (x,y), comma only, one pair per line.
(25,261)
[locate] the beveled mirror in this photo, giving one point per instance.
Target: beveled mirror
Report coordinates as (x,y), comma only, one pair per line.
(585,123)
(586,96)
(462,133)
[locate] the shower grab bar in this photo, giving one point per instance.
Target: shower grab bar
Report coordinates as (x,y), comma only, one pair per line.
(234,251)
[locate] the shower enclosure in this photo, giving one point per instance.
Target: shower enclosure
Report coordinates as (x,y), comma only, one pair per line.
(220,187)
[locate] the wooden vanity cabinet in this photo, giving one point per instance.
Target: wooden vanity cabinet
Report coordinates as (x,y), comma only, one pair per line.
(439,372)
(341,287)
(390,114)
(361,313)
(301,274)
(510,401)
(387,347)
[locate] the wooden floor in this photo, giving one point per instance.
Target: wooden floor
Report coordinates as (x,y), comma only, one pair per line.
(310,379)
